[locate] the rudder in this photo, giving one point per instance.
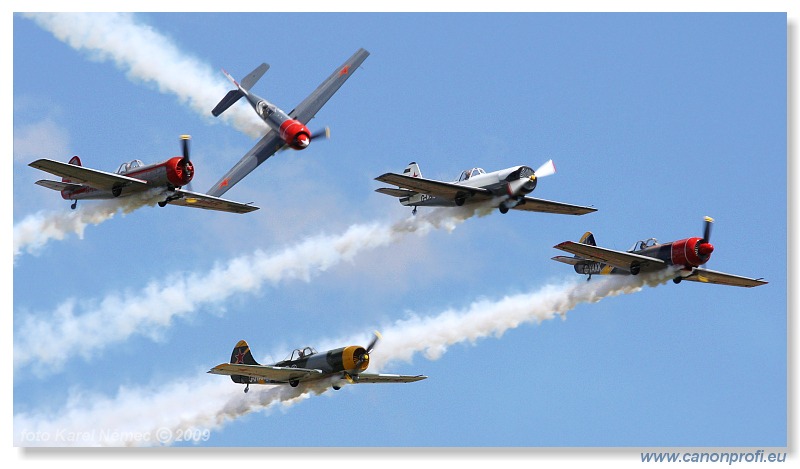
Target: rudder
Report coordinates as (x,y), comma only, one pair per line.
(412,170)
(75,160)
(241,354)
(588,238)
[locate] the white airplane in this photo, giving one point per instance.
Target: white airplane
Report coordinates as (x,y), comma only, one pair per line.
(507,186)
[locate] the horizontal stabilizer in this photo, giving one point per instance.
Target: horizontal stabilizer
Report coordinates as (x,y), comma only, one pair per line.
(254,76)
(569,260)
(58,186)
(395,192)
(227,101)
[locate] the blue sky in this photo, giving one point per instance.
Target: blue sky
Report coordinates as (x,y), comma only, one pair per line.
(656,119)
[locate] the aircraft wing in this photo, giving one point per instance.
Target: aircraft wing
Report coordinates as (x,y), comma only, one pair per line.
(272,373)
(196,200)
(368,378)
(265,148)
(306,110)
(429,186)
(619,259)
(721,278)
(531,204)
(95,178)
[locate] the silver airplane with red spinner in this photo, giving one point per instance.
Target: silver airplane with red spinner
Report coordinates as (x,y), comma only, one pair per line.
(286,130)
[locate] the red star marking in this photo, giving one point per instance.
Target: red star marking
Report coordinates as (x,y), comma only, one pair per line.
(240,357)
(224,183)
(345,70)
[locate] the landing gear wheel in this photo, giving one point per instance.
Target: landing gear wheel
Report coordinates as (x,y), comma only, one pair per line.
(336,388)
(460,199)
(293,383)
(677,280)
(635,268)
(503,208)
(163,203)
(116,191)
(74,204)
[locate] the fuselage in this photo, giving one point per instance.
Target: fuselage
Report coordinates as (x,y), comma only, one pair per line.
(168,174)
(513,182)
(293,132)
(351,359)
(686,253)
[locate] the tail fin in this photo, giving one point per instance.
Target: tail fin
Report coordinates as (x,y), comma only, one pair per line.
(588,238)
(241,354)
(77,162)
(412,170)
(241,89)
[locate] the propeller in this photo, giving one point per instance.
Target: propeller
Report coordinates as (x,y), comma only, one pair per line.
(706,248)
(363,358)
(185,163)
(547,169)
(326,132)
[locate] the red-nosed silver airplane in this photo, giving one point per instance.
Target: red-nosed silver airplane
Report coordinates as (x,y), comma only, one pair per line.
(79,183)
(286,130)
(306,364)
(648,256)
(508,187)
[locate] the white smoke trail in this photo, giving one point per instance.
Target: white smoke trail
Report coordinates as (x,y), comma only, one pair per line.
(202,403)
(34,231)
(117,316)
(148,55)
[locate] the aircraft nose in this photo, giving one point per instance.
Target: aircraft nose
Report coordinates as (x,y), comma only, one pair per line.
(705,249)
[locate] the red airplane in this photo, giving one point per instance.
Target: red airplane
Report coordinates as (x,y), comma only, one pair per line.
(131,178)
(649,256)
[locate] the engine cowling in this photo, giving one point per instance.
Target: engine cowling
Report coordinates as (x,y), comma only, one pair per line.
(691,252)
(179,171)
(355,358)
(295,134)
(521,181)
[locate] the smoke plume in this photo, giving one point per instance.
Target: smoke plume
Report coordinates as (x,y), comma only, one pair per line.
(34,231)
(208,402)
(81,327)
(147,55)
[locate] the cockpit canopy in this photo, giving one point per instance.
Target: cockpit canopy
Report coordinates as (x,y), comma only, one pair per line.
(468,173)
(639,245)
(125,167)
(301,353)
